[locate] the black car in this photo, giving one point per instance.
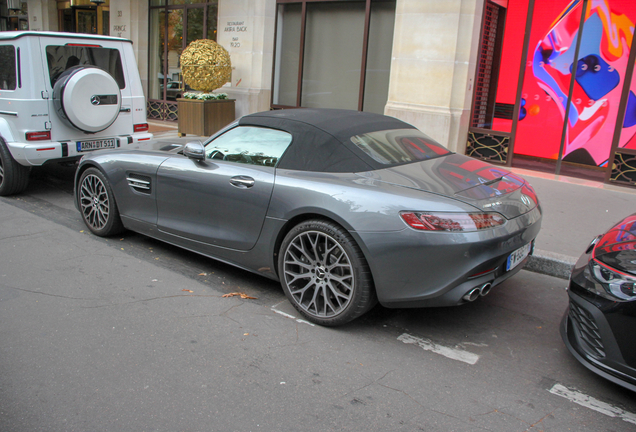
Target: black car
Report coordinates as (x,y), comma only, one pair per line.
(598,327)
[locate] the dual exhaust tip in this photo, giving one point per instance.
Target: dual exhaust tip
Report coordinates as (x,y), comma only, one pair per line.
(476,292)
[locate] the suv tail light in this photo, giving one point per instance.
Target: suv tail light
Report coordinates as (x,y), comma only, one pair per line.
(142,127)
(38,136)
(437,221)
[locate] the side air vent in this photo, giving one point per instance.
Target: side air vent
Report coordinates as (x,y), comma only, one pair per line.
(140,183)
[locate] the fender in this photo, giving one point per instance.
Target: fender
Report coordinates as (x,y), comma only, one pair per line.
(15,148)
(5,130)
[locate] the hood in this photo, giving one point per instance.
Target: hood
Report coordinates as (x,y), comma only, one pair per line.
(472,181)
(617,247)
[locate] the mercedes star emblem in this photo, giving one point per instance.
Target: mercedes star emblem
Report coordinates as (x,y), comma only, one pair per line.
(95,100)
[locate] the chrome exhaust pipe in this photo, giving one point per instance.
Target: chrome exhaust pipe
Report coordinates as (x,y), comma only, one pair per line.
(485,289)
(472,295)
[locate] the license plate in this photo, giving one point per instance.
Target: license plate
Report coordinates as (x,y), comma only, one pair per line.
(518,256)
(95,145)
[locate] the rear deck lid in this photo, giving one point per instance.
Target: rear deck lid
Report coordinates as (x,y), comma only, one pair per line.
(469,180)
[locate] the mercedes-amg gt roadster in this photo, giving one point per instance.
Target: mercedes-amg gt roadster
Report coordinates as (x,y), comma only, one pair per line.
(344,208)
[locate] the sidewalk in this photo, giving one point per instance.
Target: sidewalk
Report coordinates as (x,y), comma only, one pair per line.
(574,211)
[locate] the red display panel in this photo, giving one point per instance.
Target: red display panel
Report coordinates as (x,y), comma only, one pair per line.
(598,75)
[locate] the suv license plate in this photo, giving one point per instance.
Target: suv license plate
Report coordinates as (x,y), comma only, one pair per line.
(95,145)
(518,256)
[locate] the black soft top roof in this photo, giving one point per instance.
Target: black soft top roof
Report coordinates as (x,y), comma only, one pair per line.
(321,137)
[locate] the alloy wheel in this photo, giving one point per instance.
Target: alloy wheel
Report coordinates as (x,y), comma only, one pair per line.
(94,202)
(319,274)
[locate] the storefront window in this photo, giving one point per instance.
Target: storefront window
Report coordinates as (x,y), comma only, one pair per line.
(156,64)
(569,112)
(592,105)
(333,55)
(172,27)
(287,54)
(342,53)
(378,69)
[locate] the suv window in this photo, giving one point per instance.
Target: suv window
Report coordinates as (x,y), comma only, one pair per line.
(249,145)
(7,67)
(61,58)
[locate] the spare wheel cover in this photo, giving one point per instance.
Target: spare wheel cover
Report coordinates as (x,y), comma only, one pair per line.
(91,99)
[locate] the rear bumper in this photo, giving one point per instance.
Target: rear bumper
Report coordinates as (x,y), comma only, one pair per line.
(417,269)
(39,152)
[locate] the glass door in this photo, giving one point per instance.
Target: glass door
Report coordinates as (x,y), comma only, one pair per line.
(172,27)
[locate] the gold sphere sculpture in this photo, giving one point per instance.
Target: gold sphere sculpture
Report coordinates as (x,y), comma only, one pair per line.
(205,65)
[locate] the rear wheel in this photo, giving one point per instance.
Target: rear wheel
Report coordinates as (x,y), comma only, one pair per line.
(97,204)
(324,274)
(14,177)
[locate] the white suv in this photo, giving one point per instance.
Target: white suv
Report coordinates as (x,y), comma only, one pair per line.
(63,94)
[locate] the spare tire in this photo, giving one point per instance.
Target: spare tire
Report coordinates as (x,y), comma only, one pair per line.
(87,98)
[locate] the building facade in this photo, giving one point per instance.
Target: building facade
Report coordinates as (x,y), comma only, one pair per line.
(495,79)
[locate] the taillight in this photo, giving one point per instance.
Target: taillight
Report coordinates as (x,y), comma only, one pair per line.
(438,221)
(38,136)
(143,127)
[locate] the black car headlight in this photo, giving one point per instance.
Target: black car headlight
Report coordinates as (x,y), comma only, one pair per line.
(614,285)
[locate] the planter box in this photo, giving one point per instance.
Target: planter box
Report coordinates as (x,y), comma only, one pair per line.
(203,118)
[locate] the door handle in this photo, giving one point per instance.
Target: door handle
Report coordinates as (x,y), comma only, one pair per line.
(242,182)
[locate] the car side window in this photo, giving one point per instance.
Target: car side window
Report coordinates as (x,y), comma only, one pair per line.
(249,145)
(7,67)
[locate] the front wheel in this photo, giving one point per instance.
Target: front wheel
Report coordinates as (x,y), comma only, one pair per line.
(97,204)
(14,178)
(324,274)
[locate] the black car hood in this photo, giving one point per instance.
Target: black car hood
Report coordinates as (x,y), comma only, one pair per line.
(617,247)
(472,181)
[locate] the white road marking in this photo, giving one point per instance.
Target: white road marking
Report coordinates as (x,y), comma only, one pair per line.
(302,321)
(592,403)
(451,353)
(283,314)
(286,315)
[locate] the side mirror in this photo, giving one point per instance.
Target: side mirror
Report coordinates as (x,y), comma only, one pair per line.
(194,150)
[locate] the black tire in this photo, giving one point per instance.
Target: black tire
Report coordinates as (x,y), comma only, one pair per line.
(14,178)
(324,273)
(97,204)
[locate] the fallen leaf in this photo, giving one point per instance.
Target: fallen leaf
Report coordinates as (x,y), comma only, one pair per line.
(246,334)
(203,274)
(242,295)
(187,290)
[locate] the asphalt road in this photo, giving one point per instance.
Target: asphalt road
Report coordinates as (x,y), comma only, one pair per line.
(129,334)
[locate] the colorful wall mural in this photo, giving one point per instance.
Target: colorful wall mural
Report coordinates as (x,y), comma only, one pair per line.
(598,74)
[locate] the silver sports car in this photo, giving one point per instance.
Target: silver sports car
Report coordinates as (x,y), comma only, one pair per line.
(344,208)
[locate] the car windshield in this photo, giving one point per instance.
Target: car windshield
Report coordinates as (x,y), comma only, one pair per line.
(399,146)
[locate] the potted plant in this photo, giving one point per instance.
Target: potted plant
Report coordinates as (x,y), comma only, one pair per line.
(206,67)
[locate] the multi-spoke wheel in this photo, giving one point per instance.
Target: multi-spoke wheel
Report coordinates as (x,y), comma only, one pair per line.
(97,204)
(324,273)
(14,177)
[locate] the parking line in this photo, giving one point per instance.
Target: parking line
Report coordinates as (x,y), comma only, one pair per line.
(451,353)
(592,403)
(286,315)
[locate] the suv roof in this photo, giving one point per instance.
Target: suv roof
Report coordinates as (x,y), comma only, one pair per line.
(6,35)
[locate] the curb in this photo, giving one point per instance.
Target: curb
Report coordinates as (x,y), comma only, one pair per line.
(551,264)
